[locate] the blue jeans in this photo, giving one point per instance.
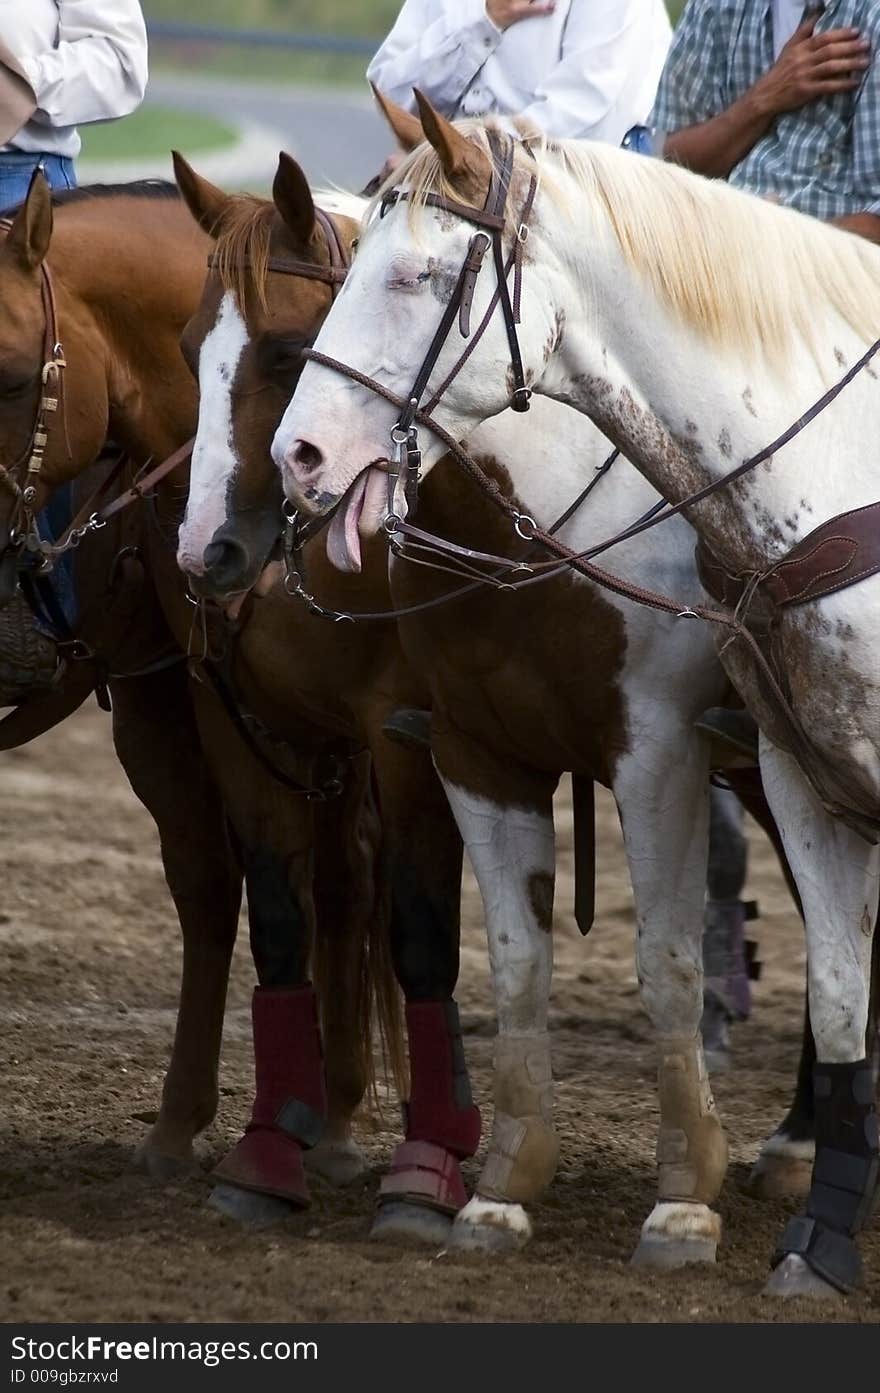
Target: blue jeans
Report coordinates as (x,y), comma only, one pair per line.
(17,167)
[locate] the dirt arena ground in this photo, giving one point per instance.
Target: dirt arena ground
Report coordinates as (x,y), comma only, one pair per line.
(88,977)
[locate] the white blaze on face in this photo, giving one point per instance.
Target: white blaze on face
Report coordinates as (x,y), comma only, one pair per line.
(214,461)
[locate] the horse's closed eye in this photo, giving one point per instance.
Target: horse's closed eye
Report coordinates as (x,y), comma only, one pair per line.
(409,282)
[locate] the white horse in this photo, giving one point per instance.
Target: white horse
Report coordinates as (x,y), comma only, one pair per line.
(693,324)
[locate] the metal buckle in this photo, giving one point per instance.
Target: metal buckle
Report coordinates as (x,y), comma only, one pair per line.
(525,526)
(293,582)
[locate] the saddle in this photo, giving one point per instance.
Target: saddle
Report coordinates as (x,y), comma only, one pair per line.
(835,555)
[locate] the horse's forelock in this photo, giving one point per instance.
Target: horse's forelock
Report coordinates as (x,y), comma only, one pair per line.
(241,253)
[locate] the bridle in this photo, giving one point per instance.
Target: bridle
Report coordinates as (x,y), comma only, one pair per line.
(332,275)
(22,525)
(490,221)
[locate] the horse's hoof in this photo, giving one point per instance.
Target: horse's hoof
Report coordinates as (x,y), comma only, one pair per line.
(675,1234)
(664,1254)
(163,1167)
(486,1226)
(339,1162)
(776,1177)
(400,1222)
(249,1208)
(784,1167)
(795,1277)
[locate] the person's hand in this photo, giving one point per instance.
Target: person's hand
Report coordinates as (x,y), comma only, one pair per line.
(503,13)
(812,66)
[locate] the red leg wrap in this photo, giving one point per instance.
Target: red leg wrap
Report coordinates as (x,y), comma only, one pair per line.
(424,1174)
(440,1109)
(291,1101)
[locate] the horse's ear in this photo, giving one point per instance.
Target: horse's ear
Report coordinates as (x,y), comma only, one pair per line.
(31,231)
(459,157)
(204,200)
(293,199)
(406,128)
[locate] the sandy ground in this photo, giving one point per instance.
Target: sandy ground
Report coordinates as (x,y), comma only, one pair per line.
(88,975)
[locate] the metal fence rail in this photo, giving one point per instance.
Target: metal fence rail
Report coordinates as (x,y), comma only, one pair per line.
(260,38)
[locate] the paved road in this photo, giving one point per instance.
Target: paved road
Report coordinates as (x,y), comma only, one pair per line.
(335,134)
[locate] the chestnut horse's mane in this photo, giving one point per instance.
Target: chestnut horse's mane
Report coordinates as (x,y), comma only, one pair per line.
(244,232)
(241,254)
(85,193)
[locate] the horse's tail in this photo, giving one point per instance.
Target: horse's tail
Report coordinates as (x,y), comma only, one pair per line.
(358,995)
(384,992)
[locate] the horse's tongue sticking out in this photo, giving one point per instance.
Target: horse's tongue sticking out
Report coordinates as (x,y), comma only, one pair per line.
(363,500)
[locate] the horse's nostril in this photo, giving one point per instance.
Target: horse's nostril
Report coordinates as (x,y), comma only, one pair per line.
(225,561)
(307,456)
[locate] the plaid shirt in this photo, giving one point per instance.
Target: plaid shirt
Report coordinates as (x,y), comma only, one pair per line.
(822,159)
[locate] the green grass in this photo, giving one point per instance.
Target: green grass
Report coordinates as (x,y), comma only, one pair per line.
(370,17)
(154,130)
(361,18)
(260,64)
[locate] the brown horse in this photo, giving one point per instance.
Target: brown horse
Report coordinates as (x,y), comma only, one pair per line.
(501,728)
(341,674)
(220,813)
(333,700)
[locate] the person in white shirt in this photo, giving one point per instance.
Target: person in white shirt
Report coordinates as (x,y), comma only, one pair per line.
(78,61)
(574,68)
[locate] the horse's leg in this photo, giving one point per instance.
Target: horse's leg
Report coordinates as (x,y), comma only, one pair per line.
(661,793)
(837,874)
(785,1162)
(158,746)
(723,931)
(424,1189)
(510,842)
(263,1178)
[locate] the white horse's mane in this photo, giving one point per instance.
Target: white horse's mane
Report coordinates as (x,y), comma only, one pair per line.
(738,269)
(347,205)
